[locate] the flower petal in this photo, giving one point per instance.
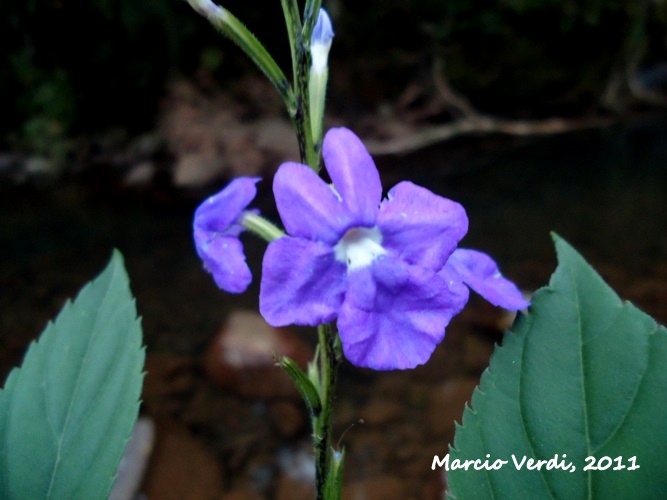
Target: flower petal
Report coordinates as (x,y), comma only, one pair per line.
(216,232)
(353,174)
(223,257)
(480,272)
(394,314)
(308,207)
(223,209)
(421,227)
(302,283)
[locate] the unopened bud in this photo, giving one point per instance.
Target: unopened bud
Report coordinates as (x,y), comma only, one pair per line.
(320,41)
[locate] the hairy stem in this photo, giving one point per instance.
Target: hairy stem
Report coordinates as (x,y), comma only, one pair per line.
(322,426)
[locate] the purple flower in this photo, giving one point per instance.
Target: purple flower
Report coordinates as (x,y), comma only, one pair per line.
(388,270)
(216,234)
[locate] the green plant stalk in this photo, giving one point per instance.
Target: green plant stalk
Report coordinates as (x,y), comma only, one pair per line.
(258,225)
(329,359)
(300,68)
(293,23)
(310,155)
(233,29)
(310,13)
(310,151)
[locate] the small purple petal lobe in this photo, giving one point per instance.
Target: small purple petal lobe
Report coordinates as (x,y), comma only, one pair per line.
(216,232)
(480,272)
(223,257)
(394,314)
(420,226)
(308,207)
(302,283)
(353,174)
(223,209)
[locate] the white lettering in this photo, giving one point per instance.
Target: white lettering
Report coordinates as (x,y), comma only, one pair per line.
(518,465)
(439,463)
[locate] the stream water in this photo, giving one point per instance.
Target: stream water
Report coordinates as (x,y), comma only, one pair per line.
(605,191)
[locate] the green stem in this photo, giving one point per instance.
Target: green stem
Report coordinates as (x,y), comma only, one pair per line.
(310,12)
(329,359)
(310,152)
(294,33)
(260,226)
(232,28)
(293,23)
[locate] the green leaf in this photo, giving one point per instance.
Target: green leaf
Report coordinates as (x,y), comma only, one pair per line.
(333,489)
(67,413)
(305,387)
(583,374)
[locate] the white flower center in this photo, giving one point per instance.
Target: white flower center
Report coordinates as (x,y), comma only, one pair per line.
(359,247)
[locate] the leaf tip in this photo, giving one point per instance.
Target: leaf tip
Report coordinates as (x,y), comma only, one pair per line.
(117,256)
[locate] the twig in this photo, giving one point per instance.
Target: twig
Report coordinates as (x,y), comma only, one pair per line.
(480,124)
(468,121)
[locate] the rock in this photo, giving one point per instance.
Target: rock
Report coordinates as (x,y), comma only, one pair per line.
(134,461)
(297,479)
(182,467)
(241,357)
(40,169)
(276,135)
(141,174)
(212,135)
(197,169)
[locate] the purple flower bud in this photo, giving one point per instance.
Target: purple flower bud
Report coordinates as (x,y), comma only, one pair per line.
(320,41)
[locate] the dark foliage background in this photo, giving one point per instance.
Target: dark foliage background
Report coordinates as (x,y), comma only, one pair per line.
(71,66)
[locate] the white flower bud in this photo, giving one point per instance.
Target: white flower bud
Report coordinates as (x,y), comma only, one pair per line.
(320,42)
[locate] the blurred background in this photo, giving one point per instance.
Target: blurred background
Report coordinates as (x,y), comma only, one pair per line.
(69,67)
(118,117)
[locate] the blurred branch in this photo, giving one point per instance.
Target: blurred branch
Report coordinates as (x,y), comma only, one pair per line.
(452,99)
(404,136)
(429,136)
